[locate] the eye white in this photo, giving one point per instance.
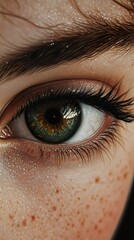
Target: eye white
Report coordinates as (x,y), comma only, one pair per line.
(92,120)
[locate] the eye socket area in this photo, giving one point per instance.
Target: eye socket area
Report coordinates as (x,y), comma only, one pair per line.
(81,102)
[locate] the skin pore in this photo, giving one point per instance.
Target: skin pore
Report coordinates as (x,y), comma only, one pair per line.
(73,200)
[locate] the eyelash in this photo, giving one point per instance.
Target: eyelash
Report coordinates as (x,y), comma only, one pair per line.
(109,102)
(106,100)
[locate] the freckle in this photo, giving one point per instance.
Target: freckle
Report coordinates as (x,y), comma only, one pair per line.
(95,227)
(18,225)
(54,208)
(11,217)
(110,213)
(125,175)
(87,206)
(101,199)
(78,212)
(24,223)
(60,215)
(33,218)
(82,223)
(100,220)
(97,179)
(57,190)
(110,173)
(72,225)
(78,234)
(78,198)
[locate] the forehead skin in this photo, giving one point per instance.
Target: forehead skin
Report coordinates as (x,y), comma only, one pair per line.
(74,202)
(48,15)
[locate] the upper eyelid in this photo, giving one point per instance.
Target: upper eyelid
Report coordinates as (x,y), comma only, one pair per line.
(119,107)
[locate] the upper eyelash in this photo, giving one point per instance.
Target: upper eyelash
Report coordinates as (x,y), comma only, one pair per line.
(109,101)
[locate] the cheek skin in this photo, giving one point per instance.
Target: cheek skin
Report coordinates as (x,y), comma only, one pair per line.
(64,207)
(55,203)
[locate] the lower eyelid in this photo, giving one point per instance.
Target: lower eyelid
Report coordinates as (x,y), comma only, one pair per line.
(34,89)
(123,105)
(46,155)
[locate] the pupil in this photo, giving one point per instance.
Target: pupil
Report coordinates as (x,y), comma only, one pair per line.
(53,116)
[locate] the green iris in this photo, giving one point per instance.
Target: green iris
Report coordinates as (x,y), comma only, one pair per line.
(53,121)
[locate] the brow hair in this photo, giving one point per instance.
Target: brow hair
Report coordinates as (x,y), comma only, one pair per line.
(83,40)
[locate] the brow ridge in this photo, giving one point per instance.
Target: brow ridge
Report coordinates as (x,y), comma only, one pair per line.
(84,40)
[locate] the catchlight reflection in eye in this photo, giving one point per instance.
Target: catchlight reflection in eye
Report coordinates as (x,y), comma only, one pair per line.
(58,122)
(57,116)
(53,121)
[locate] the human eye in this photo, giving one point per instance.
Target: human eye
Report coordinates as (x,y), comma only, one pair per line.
(65,120)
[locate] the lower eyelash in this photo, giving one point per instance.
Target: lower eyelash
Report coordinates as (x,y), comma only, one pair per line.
(82,154)
(85,154)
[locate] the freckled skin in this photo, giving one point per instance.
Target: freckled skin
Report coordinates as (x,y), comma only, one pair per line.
(72,201)
(63,205)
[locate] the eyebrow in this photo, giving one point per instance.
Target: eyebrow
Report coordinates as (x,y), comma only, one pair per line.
(83,41)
